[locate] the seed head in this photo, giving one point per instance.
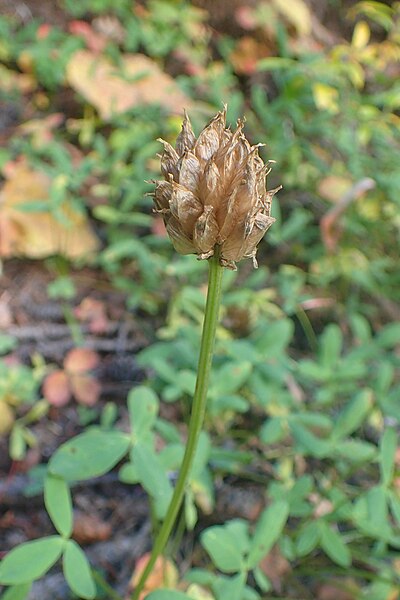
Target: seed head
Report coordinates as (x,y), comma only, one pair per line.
(214,192)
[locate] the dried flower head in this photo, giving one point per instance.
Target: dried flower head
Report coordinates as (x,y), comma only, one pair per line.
(214,192)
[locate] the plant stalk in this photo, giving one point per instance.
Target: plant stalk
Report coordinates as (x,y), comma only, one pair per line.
(197,414)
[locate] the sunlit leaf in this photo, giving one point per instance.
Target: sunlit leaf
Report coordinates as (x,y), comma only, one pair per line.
(361,35)
(326,97)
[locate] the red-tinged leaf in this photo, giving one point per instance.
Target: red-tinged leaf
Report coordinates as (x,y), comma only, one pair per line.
(245,16)
(43,31)
(93,40)
(86,389)
(56,388)
(93,311)
(81,360)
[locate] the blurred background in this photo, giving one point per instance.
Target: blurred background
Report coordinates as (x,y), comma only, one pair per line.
(94,300)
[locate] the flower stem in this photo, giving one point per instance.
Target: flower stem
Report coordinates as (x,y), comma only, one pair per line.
(197,415)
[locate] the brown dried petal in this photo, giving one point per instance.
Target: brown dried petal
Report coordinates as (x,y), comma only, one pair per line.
(162,194)
(239,245)
(169,161)
(189,171)
(239,202)
(248,187)
(269,195)
(210,184)
(210,138)
(182,243)
(234,160)
(257,229)
(185,207)
(229,215)
(226,138)
(206,231)
(186,139)
(231,248)
(261,226)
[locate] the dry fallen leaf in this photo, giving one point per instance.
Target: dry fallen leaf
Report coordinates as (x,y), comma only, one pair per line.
(338,589)
(6,317)
(39,234)
(247,53)
(90,528)
(322,506)
(275,566)
(114,89)
(41,130)
(164,574)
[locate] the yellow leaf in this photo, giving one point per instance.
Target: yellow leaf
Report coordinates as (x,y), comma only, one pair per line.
(39,234)
(6,418)
(11,80)
(361,35)
(115,89)
(325,97)
(197,592)
(297,13)
(356,74)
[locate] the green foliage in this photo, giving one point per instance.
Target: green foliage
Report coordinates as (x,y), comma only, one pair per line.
(233,550)
(17,592)
(31,560)
(57,499)
(80,459)
(20,405)
(167,595)
(77,571)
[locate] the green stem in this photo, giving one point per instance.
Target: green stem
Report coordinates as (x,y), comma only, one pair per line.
(197,415)
(99,579)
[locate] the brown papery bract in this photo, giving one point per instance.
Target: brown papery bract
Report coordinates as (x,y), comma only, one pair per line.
(214,193)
